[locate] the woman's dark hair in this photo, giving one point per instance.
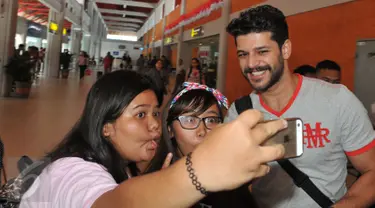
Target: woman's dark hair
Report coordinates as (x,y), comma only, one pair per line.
(199,67)
(105,103)
(197,101)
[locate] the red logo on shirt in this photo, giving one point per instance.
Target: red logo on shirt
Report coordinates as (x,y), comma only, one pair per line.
(315,138)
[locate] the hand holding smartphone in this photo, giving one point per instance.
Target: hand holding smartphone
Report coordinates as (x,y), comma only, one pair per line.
(291,138)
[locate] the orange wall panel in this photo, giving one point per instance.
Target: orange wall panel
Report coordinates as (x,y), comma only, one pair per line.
(173,16)
(159,31)
(331,33)
(150,38)
(193,4)
(238,5)
(327,33)
(213,16)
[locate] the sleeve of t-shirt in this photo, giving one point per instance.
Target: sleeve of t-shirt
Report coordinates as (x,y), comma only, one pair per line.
(232,114)
(79,183)
(357,133)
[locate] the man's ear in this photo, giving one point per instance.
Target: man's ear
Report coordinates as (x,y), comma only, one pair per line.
(286,50)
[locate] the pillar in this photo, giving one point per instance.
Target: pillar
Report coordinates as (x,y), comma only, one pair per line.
(223,46)
(52,61)
(76,38)
(94,36)
(180,42)
(99,44)
(152,44)
(162,51)
(8,25)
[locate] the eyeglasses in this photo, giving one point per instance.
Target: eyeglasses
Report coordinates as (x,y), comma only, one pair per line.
(192,122)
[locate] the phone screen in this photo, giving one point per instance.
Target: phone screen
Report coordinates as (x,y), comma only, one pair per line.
(291,138)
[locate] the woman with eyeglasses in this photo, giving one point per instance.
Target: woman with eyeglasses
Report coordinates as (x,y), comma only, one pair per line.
(192,114)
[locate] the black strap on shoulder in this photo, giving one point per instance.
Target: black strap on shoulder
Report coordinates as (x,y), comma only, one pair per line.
(301,180)
(242,104)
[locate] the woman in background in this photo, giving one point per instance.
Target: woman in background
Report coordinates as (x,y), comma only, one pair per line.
(83,62)
(195,73)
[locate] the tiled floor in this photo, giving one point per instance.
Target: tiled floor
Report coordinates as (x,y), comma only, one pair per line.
(33,126)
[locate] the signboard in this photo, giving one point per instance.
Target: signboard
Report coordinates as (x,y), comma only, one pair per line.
(121,47)
(65,31)
(116,53)
(168,40)
(196,32)
(53,27)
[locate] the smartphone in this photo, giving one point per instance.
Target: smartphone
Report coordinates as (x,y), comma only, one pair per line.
(291,138)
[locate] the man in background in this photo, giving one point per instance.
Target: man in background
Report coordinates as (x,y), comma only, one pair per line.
(306,70)
(329,71)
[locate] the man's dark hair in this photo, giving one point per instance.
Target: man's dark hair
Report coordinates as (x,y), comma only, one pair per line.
(261,19)
(328,64)
(305,69)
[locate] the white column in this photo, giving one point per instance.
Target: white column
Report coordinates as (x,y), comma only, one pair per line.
(8,25)
(99,44)
(180,42)
(223,46)
(162,52)
(94,35)
(52,61)
(76,36)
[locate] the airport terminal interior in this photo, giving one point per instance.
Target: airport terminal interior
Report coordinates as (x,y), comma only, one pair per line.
(53,51)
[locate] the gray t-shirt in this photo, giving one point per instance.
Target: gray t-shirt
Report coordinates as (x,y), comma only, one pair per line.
(335,125)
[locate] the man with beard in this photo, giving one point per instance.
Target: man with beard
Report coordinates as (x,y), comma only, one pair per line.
(336,125)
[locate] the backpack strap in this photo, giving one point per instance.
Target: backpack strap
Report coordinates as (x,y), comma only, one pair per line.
(303,181)
(242,104)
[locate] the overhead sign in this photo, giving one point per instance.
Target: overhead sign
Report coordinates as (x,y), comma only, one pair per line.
(53,27)
(196,32)
(168,40)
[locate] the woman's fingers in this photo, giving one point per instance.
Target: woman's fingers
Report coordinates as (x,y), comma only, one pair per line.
(263,131)
(271,153)
(262,171)
(250,118)
(167,161)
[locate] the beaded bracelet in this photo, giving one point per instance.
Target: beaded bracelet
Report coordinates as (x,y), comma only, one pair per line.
(194,178)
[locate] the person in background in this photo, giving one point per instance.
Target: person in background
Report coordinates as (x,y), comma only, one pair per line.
(120,126)
(180,76)
(141,63)
(306,70)
(21,49)
(195,73)
(329,71)
(83,62)
(107,62)
(156,73)
(153,61)
(336,125)
(193,112)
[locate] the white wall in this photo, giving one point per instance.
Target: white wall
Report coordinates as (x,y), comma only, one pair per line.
(112,45)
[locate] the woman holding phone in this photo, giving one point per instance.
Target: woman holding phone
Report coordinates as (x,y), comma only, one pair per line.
(120,126)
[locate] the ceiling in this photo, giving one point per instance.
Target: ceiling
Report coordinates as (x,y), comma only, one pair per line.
(125,15)
(36,12)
